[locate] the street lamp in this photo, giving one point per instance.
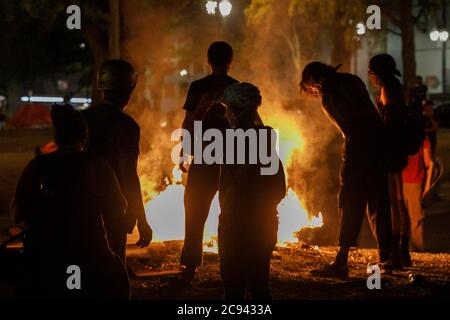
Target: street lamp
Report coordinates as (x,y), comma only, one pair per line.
(225,7)
(441,36)
(360,29)
(211,7)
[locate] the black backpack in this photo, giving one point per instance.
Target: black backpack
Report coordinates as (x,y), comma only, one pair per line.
(413,134)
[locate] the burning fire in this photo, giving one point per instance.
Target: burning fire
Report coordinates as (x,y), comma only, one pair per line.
(165,209)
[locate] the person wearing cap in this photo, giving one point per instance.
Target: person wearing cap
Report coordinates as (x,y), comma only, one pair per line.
(363,176)
(64,198)
(202,104)
(391,105)
(114,136)
(248,220)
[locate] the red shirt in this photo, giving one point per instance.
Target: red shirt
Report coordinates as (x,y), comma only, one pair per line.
(415,169)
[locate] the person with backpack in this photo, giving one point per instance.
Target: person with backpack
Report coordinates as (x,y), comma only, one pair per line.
(203,104)
(404,136)
(248,221)
(114,136)
(363,176)
(66,198)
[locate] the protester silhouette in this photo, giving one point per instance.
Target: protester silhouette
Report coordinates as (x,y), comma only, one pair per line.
(65,198)
(391,104)
(363,177)
(114,136)
(248,221)
(203,179)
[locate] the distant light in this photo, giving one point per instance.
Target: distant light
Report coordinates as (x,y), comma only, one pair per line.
(360,29)
(225,7)
(82,45)
(45,99)
(80,100)
(211,7)
(163,124)
(184,73)
(434,35)
(443,36)
(55,99)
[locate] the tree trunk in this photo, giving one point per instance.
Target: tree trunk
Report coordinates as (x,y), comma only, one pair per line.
(341,50)
(100,53)
(408,47)
(114,29)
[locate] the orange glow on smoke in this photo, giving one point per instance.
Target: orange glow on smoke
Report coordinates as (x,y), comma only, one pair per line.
(165,210)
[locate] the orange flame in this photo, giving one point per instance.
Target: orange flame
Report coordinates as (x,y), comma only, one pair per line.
(165,210)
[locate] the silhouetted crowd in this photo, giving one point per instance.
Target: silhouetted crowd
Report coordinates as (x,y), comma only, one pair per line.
(79,202)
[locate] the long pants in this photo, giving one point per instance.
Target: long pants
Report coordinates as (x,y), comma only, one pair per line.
(412,193)
(245,260)
(202,185)
(399,212)
(364,186)
(118,244)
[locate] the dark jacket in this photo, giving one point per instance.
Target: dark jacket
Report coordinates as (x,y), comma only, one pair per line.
(247,197)
(114,136)
(67,200)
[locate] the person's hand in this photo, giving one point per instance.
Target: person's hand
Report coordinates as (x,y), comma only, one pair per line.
(145,234)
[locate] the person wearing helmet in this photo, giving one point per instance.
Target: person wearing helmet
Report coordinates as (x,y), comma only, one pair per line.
(114,136)
(363,176)
(202,180)
(248,221)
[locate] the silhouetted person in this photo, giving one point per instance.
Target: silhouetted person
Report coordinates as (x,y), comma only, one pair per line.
(248,221)
(416,178)
(65,198)
(391,105)
(363,176)
(202,181)
(417,95)
(114,136)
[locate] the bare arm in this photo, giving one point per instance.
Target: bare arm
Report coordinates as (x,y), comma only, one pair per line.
(130,185)
(428,160)
(114,201)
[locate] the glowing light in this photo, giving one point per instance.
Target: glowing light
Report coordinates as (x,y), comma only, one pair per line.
(55,100)
(164,206)
(211,7)
(184,73)
(81,100)
(443,36)
(434,35)
(360,29)
(42,99)
(293,217)
(225,7)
